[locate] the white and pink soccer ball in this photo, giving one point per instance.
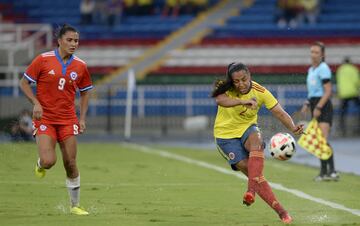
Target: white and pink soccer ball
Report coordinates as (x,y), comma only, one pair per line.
(282,146)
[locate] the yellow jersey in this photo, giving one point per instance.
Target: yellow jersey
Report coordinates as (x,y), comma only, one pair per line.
(232,122)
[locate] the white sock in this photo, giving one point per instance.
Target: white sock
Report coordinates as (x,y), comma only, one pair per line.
(38,163)
(73,186)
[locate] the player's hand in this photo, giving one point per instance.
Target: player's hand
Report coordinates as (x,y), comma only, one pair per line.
(298,129)
(251,103)
(82,125)
(37,111)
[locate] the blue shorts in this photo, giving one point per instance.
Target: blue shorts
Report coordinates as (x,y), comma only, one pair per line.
(233,149)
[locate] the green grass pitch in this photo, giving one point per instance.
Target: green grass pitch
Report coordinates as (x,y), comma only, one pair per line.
(121,185)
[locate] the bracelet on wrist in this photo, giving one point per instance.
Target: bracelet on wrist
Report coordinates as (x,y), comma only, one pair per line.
(319,108)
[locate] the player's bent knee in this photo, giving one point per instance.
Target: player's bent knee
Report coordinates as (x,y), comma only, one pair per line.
(47,163)
(257,147)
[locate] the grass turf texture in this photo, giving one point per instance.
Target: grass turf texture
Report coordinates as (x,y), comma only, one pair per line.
(123,186)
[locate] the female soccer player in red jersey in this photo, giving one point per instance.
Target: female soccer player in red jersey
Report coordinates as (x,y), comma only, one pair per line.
(237,135)
(58,74)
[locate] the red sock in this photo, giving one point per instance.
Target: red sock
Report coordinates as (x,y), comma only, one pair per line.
(266,193)
(255,168)
(257,182)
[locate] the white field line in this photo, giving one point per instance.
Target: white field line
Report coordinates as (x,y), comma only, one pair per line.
(277,186)
(86,184)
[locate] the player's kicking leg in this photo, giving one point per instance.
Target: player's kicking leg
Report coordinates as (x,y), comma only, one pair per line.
(257,182)
(68,149)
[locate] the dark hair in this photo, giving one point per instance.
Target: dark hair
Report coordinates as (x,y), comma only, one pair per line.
(60,31)
(223,85)
(322,48)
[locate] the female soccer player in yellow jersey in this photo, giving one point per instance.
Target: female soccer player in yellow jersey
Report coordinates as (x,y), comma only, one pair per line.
(237,135)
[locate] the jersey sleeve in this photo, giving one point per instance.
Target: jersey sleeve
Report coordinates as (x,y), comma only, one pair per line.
(269,100)
(33,70)
(85,82)
(324,72)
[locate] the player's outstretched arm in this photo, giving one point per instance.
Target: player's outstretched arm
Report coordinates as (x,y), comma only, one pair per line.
(286,120)
(226,101)
(25,87)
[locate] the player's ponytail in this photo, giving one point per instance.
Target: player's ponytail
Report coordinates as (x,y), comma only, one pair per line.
(221,86)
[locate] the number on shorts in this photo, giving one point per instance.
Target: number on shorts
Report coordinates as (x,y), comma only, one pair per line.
(61,83)
(76,129)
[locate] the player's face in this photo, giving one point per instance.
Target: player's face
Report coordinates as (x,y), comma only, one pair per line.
(241,80)
(316,55)
(69,42)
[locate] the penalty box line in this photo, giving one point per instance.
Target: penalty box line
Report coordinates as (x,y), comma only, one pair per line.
(277,186)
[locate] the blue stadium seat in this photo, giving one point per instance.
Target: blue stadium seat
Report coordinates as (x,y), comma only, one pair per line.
(57,12)
(337,19)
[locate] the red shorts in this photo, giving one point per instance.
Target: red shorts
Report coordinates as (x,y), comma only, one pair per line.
(57,132)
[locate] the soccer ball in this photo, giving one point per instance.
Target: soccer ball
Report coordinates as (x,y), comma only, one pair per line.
(282,146)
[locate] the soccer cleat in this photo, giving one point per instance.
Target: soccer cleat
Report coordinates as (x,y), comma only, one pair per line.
(248,199)
(39,172)
(286,218)
(78,210)
(334,176)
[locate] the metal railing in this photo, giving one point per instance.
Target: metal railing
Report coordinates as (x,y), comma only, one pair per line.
(28,38)
(184,100)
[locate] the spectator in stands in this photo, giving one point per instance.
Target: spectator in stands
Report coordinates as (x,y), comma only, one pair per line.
(114,10)
(100,12)
(87,8)
(22,129)
(310,11)
(287,13)
(348,86)
(319,100)
(171,8)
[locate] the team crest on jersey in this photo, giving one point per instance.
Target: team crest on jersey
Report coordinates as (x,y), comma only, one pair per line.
(43,127)
(73,75)
(231,155)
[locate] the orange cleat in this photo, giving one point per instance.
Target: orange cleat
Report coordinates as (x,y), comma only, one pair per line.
(249,198)
(286,218)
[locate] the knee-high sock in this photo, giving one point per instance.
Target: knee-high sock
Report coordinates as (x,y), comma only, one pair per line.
(255,168)
(257,182)
(266,193)
(73,186)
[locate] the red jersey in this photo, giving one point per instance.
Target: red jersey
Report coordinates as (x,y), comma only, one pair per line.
(56,85)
